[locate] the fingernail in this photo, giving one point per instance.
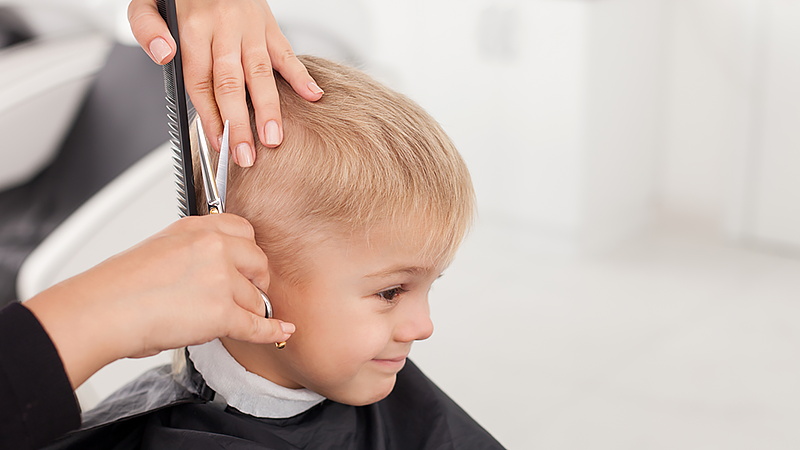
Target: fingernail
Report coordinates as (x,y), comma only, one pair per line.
(159,49)
(287,328)
(244,154)
(313,87)
(273,133)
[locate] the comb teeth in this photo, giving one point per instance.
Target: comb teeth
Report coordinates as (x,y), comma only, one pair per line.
(177,117)
(174,135)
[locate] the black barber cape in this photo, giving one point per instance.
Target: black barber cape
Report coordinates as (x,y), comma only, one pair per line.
(161,411)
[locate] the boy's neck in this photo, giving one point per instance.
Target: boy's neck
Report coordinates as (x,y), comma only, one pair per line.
(244,390)
(258,359)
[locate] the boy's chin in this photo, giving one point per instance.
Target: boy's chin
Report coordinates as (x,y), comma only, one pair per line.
(366,394)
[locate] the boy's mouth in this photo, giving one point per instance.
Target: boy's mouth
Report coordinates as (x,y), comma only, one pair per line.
(395,363)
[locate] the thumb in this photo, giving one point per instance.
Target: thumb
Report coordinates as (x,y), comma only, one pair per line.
(248,327)
(151,31)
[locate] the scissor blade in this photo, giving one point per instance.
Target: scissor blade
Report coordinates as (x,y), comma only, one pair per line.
(222,166)
(212,196)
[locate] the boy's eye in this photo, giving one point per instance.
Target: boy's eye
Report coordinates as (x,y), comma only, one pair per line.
(390,295)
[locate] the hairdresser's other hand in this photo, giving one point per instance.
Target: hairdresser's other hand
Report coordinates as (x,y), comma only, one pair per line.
(188,284)
(225,45)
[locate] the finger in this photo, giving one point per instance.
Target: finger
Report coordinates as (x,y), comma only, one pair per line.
(150,31)
(291,69)
(229,92)
(229,224)
(252,328)
(250,261)
(286,63)
(230,241)
(234,225)
(263,92)
(197,73)
(253,322)
(247,296)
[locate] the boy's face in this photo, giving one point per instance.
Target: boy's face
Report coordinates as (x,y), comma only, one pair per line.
(362,306)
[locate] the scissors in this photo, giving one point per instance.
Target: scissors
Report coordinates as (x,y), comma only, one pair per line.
(216,187)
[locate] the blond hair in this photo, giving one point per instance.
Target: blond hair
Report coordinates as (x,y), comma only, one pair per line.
(361,157)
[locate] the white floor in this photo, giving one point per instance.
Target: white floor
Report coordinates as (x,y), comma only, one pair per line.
(675,340)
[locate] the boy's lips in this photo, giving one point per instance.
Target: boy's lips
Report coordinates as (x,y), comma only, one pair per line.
(397,359)
(395,363)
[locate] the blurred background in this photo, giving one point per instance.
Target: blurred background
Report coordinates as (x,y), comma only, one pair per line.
(633,280)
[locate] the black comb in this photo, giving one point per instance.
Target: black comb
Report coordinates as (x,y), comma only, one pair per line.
(178,116)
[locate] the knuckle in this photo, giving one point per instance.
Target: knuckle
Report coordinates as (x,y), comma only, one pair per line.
(192,28)
(234,10)
(223,281)
(188,223)
(133,12)
(262,280)
(271,328)
(219,309)
(211,243)
(202,85)
(265,261)
(227,83)
(259,327)
(138,20)
(132,7)
(246,228)
(228,10)
(285,56)
(261,69)
(241,130)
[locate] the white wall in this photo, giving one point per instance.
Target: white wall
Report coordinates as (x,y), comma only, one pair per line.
(553,103)
(771,212)
(625,78)
(731,157)
(709,105)
(517,118)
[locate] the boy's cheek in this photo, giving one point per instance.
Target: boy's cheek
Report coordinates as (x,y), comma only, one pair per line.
(345,354)
(369,387)
(363,388)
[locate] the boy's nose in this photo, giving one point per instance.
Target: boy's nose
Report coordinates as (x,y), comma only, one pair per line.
(417,324)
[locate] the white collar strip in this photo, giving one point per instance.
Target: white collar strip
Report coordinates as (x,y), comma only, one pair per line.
(246,391)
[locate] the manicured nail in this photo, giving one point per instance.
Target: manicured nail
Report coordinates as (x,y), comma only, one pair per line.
(244,155)
(313,87)
(159,49)
(287,328)
(273,133)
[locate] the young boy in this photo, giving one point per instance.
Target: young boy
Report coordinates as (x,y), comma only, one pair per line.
(358,211)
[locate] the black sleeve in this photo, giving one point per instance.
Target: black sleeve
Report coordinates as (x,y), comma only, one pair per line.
(37,404)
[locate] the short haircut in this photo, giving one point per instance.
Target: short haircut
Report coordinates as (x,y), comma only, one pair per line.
(362,157)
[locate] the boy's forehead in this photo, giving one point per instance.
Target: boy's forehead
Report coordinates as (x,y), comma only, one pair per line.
(401,269)
(384,251)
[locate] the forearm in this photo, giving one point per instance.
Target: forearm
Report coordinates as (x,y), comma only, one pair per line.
(79,327)
(38,404)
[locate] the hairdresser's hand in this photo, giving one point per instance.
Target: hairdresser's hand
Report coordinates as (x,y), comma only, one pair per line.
(190,283)
(225,45)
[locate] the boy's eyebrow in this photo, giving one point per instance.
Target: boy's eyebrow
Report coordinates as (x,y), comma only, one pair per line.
(410,270)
